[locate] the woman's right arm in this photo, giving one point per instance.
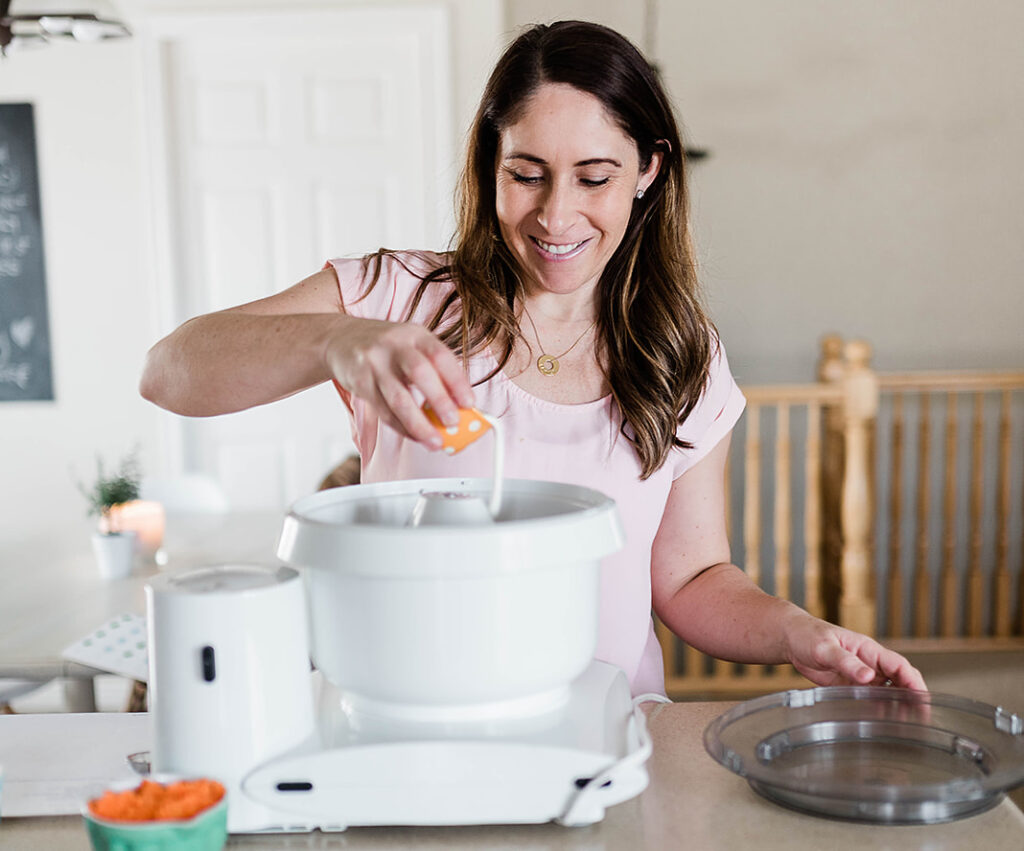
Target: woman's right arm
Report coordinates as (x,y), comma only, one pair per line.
(266,350)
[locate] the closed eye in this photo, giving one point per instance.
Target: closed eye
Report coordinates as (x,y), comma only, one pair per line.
(536,179)
(529,180)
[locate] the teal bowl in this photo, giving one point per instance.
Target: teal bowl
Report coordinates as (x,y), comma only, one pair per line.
(207,831)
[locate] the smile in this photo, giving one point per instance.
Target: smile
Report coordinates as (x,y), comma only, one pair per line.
(565,251)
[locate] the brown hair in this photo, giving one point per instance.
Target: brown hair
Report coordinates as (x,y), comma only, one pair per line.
(651,325)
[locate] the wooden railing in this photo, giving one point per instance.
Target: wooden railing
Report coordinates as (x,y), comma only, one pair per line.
(962,457)
(808,487)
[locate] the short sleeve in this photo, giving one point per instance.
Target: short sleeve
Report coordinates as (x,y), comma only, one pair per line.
(354,277)
(400,276)
(712,418)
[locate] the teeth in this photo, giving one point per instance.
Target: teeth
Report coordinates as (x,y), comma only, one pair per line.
(559,249)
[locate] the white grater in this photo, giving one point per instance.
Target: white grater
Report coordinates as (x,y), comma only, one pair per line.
(118,645)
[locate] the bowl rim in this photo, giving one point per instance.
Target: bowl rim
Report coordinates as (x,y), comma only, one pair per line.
(163,779)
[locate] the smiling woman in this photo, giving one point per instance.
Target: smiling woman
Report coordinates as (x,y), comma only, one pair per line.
(571,215)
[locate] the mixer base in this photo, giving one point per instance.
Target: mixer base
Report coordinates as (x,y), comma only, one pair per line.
(514,775)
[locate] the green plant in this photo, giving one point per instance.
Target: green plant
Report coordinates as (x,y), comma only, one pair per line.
(114,489)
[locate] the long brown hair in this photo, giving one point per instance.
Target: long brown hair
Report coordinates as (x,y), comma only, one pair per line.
(651,325)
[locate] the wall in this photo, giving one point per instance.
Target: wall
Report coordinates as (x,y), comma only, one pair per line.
(865,176)
(88,147)
(629,17)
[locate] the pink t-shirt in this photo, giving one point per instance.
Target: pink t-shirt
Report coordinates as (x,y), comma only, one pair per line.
(577,444)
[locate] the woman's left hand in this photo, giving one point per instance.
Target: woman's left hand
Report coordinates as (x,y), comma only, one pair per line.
(829,655)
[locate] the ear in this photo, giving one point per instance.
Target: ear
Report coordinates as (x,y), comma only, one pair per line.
(657,158)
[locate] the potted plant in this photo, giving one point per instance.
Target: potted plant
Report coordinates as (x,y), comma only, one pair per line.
(114,547)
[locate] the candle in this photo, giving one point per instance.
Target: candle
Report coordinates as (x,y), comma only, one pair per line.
(143,516)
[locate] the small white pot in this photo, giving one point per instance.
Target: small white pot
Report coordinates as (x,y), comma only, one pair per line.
(115,553)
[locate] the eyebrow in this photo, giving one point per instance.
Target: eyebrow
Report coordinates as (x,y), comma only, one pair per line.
(518,155)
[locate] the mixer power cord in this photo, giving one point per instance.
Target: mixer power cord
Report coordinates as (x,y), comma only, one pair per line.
(585,806)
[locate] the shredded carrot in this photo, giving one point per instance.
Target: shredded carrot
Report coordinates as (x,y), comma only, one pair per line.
(151,801)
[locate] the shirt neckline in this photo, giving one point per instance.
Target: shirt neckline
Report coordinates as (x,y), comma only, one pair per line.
(582,407)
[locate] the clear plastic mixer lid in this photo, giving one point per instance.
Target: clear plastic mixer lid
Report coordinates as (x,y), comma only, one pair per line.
(871,753)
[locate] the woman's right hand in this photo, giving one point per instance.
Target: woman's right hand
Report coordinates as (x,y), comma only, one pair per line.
(384,363)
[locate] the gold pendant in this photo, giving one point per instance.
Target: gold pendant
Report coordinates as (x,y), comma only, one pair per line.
(547,365)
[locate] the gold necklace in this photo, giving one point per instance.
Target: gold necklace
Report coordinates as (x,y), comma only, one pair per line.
(548,364)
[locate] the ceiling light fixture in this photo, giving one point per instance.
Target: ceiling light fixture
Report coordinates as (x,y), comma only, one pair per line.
(35,24)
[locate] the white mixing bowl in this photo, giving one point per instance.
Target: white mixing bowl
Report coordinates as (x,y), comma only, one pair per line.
(452,617)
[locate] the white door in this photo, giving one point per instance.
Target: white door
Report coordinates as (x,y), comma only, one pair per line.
(290,138)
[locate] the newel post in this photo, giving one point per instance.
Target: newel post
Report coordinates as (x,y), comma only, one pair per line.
(860,407)
(831,370)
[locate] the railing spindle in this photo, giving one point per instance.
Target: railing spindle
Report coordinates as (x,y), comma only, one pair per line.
(951,600)
(922,579)
(667,640)
(752,496)
(976,578)
(783,519)
(722,672)
(694,661)
(1001,597)
(896,520)
(728,497)
(812,513)
(1020,579)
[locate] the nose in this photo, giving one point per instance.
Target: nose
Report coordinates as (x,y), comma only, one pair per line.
(557,209)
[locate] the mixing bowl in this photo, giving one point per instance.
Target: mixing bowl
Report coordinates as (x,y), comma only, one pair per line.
(438,617)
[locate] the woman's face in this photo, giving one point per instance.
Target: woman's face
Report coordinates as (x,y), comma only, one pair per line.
(566,180)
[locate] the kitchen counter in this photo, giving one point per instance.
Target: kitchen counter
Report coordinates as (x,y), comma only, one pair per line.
(691,802)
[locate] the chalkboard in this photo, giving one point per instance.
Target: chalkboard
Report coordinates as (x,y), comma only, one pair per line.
(25,371)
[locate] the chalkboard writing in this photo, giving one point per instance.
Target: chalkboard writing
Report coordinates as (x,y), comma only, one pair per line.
(25,371)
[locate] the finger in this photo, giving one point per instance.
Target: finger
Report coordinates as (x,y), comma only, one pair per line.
(452,374)
(898,670)
(376,403)
(420,372)
(848,665)
(401,405)
(889,665)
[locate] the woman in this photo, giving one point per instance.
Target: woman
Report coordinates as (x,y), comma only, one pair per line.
(569,308)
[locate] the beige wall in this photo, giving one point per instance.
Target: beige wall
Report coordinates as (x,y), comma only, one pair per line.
(865,174)
(629,17)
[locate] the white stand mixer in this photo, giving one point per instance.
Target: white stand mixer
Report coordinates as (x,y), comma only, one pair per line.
(455,684)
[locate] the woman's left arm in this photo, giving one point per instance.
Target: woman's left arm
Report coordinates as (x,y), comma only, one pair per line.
(713,606)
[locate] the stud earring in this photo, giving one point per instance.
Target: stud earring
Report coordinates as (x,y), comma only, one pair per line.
(639,194)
